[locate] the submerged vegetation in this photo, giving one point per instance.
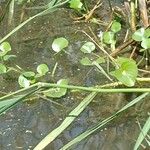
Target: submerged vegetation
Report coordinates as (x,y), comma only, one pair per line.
(120,52)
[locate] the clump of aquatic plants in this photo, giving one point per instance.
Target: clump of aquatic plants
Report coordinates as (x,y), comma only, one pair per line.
(125,71)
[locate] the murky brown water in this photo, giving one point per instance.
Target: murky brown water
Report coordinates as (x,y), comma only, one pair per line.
(27,123)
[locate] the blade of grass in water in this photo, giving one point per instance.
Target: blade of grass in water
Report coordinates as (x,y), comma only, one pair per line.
(69,119)
(143,134)
(102,123)
(14,101)
(48,10)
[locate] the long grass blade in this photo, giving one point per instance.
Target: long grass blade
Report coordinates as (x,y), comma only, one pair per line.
(69,119)
(15,101)
(102,123)
(49,10)
(143,134)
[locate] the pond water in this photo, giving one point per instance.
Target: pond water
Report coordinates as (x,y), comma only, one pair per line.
(26,124)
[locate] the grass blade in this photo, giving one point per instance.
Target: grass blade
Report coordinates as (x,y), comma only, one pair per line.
(102,123)
(143,134)
(15,101)
(69,119)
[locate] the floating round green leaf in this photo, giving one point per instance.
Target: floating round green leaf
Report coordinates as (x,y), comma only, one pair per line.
(23,82)
(88,47)
(4,48)
(145,43)
(108,37)
(116,26)
(57,92)
(127,71)
(76,4)
(42,69)
(86,61)
(3,69)
(139,34)
(59,44)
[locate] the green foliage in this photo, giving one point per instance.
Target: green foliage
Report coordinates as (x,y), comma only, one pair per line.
(57,92)
(127,71)
(42,69)
(109,37)
(76,4)
(59,44)
(4,48)
(142,135)
(142,35)
(86,61)
(115,27)
(29,77)
(88,47)
(3,69)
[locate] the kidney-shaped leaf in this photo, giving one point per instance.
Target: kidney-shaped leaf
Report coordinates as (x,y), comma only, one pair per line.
(116,26)
(108,37)
(59,44)
(145,43)
(23,82)
(140,34)
(127,71)
(42,69)
(57,92)
(4,48)
(86,61)
(76,4)
(88,47)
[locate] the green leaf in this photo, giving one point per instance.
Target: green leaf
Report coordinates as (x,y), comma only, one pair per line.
(88,47)
(4,48)
(127,71)
(42,69)
(145,43)
(143,134)
(29,75)
(57,92)
(100,60)
(86,61)
(116,26)
(76,4)
(139,35)
(59,44)
(108,37)
(3,69)
(7,57)
(147,33)
(23,82)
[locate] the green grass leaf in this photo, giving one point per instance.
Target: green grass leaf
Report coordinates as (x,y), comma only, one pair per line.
(102,124)
(67,121)
(143,134)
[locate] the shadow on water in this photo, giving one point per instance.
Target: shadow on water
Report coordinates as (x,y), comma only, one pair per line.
(26,124)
